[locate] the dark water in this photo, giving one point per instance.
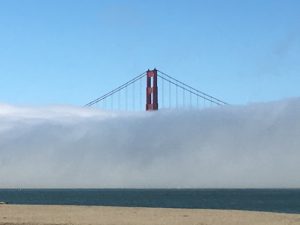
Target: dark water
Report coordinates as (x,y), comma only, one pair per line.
(272,200)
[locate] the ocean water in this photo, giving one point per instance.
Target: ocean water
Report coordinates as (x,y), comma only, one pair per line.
(270,200)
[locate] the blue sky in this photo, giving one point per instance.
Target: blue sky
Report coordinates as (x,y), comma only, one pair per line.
(70,52)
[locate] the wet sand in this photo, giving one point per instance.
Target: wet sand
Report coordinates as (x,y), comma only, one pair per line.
(34,215)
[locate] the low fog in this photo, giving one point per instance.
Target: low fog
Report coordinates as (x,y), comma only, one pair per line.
(252,146)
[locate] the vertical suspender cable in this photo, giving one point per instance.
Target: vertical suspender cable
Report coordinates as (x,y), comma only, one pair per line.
(133,96)
(112,103)
(141,104)
(170,95)
(183,97)
(163,93)
(126,99)
(176,96)
(119,93)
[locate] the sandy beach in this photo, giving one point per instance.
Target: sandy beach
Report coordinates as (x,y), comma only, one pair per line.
(33,215)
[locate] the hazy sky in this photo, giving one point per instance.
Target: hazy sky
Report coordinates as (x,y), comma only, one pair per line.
(69,52)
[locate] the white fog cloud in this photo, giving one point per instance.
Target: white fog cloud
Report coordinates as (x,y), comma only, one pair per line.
(257,145)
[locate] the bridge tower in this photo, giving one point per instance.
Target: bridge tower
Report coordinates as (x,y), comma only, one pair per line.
(151,90)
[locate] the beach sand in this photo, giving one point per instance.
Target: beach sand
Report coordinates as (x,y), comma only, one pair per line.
(31,214)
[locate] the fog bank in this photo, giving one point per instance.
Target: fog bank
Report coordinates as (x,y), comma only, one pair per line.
(250,146)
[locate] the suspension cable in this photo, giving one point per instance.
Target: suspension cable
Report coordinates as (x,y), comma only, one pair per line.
(202,93)
(190,91)
(164,77)
(116,90)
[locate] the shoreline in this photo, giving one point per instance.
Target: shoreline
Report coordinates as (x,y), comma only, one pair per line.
(146,207)
(70,214)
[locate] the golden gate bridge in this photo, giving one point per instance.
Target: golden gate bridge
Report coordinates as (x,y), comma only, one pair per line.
(153,90)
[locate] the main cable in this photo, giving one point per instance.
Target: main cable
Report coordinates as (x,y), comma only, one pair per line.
(116,90)
(194,89)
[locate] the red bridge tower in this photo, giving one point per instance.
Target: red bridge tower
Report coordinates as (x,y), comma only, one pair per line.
(151,91)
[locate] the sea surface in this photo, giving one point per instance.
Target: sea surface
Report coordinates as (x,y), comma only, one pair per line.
(269,200)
